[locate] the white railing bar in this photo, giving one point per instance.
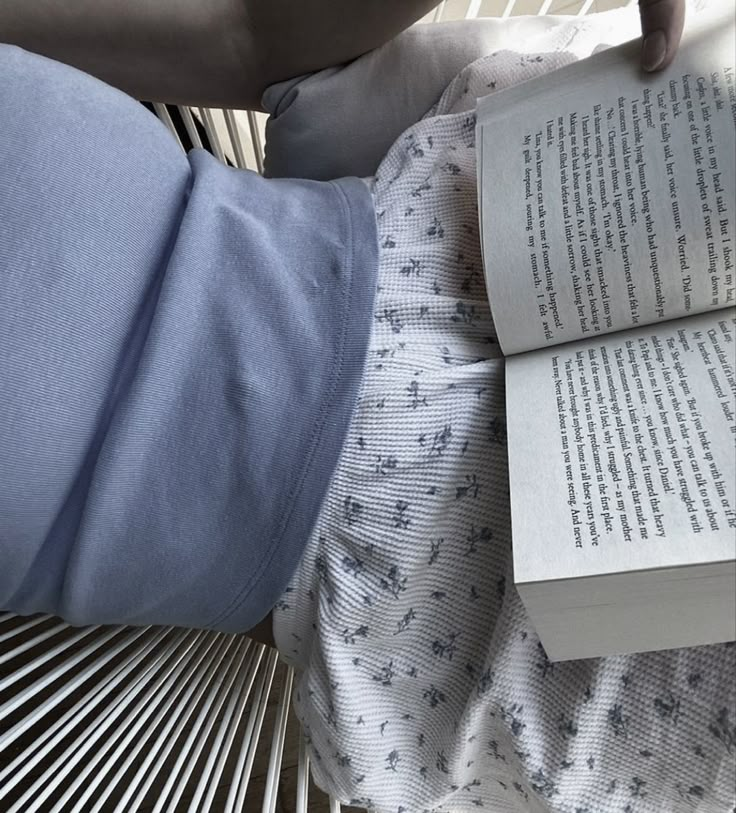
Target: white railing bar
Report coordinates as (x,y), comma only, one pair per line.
(334,805)
(191,127)
(255,136)
(509,8)
(87,738)
(585,8)
(247,754)
(73,715)
(544,8)
(218,693)
(439,11)
(24,695)
(473,9)
(187,707)
(8,617)
(246,739)
(202,718)
(277,745)
(302,776)
(165,678)
(42,658)
(209,126)
(165,116)
(242,694)
(175,686)
(235,140)
(22,627)
(42,636)
(213,768)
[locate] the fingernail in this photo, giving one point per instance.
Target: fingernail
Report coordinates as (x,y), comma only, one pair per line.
(653,50)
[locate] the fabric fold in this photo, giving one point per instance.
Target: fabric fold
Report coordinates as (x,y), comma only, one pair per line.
(182,346)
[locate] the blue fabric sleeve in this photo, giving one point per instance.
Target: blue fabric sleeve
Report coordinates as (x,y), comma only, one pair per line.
(181,347)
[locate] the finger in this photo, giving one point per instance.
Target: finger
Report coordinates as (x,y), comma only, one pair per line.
(661,27)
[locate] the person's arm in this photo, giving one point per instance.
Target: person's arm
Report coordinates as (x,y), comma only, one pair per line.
(217,53)
(225,53)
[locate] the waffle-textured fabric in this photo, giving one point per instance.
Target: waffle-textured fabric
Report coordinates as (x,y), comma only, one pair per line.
(181,345)
(421,684)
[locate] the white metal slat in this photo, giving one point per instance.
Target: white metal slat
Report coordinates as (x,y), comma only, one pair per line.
(201,733)
(26,694)
(236,141)
(209,125)
(76,751)
(165,116)
(6,636)
(246,757)
(239,700)
(473,9)
(190,126)
(208,776)
(187,682)
(43,636)
(188,705)
(145,707)
(48,655)
(47,741)
(439,11)
(164,679)
(44,790)
(277,745)
(302,780)
(256,138)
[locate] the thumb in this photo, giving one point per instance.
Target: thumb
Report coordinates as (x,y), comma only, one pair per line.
(661,27)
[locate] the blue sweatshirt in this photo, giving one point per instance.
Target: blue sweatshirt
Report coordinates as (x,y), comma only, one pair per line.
(181,347)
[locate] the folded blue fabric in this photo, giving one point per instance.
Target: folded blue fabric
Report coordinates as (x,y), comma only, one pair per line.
(181,346)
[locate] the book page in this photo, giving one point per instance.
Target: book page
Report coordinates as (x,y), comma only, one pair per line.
(623,450)
(607,195)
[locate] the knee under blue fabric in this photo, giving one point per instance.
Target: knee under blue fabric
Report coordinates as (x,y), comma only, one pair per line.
(181,345)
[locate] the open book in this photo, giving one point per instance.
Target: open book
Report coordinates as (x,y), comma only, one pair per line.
(607,212)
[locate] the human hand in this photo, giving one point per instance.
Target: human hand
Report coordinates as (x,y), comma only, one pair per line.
(661,28)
